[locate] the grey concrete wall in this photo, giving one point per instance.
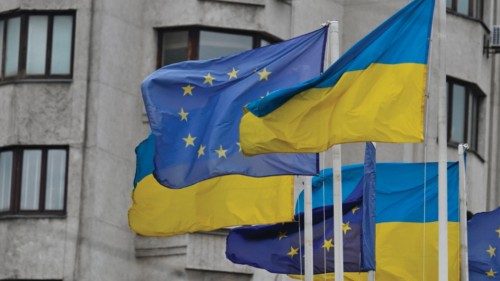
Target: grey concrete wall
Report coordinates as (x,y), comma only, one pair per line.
(46,113)
(106,249)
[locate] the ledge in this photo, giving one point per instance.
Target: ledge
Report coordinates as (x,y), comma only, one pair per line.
(31,216)
(160,246)
(256,3)
(43,81)
(203,251)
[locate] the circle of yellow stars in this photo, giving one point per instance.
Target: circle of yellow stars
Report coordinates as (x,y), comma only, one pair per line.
(188,90)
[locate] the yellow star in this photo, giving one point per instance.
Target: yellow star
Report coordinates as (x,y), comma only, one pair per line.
(263,74)
(355,209)
(208,79)
(221,152)
(188,90)
(183,114)
(491,251)
(189,140)
(293,252)
(239,146)
(490,273)
(233,74)
(346,227)
(327,244)
(498,231)
(281,235)
(201,151)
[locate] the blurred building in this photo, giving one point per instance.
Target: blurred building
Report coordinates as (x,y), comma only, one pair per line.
(71,115)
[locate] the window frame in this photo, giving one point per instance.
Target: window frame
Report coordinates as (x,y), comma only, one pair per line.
(471,89)
(194,38)
(16,182)
(23,45)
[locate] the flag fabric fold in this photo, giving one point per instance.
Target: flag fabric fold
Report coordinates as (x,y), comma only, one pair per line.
(406,218)
(195,107)
(374,92)
(278,248)
(218,202)
(483,240)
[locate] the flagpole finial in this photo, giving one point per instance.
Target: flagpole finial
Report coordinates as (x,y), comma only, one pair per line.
(328,22)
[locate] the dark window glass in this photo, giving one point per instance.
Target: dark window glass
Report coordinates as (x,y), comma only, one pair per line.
(62,40)
(12,46)
(264,43)
(33,180)
(464,101)
(191,43)
(174,47)
(2,28)
(30,183)
(218,44)
(463,7)
(470,8)
(5,179)
(458,113)
(56,177)
(36,44)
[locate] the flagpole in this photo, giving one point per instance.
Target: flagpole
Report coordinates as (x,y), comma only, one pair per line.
(334,53)
(337,212)
(464,256)
(308,232)
(442,145)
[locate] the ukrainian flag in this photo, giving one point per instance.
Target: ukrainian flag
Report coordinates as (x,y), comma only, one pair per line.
(211,204)
(374,92)
(406,216)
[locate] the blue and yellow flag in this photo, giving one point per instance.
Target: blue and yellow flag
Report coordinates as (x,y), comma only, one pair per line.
(374,92)
(208,205)
(406,217)
(484,239)
(279,248)
(195,107)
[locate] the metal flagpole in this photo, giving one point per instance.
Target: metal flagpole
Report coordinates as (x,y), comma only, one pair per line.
(308,232)
(442,145)
(334,53)
(337,213)
(464,258)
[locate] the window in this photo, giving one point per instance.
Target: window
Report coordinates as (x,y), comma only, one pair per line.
(33,180)
(469,8)
(464,100)
(36,44)
(30,280)
(194,42)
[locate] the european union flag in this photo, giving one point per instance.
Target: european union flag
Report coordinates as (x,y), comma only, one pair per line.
(195,107)
(279,248)
(484,239)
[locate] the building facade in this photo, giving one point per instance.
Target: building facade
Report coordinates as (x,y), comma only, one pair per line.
(71,115)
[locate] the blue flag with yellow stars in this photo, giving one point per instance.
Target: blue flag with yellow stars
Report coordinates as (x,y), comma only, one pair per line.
(195,107)
(484,239)
(279,248)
